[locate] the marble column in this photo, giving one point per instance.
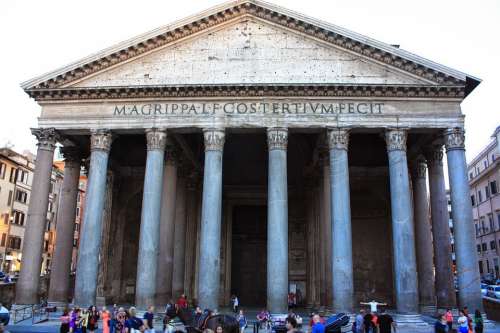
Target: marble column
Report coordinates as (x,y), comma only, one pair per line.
(327,227)
(423,234)
(65,228)
(277,221)
(191,222)
(149,238)
(209,262)
(469,287)
(27,285)
(445,288)
(342,271)
(403,239)
(167,217)
(90,240)
(179,239)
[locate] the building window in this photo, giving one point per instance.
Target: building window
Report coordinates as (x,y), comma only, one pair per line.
(13,175)
(490,219)
(22,176)
(75,242)
(21,196)
(51,206)
(4,238)
(18,218)
(485,163)
(487,191)
(493,187)
(471,175)
(14,242)
(483,228)
(477,229)
(480,267)
(478,248)
(51,187)
(487,266)
(493,157)
(479,196)
(493,245)
(9,200)
(78,211)
(77,227)
(3,167)
(78,198)
(484,247)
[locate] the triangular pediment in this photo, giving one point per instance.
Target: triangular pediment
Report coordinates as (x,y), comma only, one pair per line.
(247,42)
(249,51)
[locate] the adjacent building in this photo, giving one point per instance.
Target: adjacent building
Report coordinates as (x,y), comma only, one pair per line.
(484,179)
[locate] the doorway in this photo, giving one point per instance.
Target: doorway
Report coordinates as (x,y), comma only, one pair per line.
(249,255)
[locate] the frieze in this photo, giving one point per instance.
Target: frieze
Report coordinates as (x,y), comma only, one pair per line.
(277,138)
(47,138)
(395,139)
(454,138)
(238,10)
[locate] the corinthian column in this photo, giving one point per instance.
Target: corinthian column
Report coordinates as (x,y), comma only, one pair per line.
(277,221)
(27,285)
(61,262)
(179,239)
(209,264)
(88,252)
(150,219)
(469,287)
(423,235)
(338,142)
(445,289)
(403,234)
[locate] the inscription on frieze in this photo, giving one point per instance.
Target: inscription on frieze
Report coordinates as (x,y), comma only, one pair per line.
(246,108)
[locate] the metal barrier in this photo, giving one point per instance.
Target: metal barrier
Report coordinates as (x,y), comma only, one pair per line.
(40,314)
(22,313)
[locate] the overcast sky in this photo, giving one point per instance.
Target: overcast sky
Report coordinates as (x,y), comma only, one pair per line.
(40,36)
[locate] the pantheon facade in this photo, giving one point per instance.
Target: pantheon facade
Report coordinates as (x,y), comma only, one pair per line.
(252,150)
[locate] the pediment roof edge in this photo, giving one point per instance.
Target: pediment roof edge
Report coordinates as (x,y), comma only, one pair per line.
(334,34)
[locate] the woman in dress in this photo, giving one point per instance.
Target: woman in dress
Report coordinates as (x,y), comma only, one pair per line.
(65,319)
(106,318)
(74,319)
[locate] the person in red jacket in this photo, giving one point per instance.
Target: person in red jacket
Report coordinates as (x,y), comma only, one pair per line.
(182,302)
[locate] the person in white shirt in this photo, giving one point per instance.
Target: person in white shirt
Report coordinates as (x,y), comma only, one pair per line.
(463,323)
(373,305)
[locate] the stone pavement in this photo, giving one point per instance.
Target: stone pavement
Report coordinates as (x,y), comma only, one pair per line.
(52,325)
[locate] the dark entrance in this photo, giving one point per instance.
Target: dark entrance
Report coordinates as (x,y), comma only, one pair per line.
(249,255)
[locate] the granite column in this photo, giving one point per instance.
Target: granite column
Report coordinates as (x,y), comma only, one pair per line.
(27,285)
(149,237)
(403,239)
(65,228)
(209,263)
(277,221)
(88,253)
(469,282)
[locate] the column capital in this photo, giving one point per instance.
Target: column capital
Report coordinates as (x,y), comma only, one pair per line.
(395,139)
(454,138)
(277,138)
(338,138)
(419,168)
(100,139)
(72,155)
(47,138)
(434,154)
(214,138)
(156,139)
(171,153)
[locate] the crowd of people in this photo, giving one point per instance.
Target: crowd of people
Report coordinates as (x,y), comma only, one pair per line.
(466,322)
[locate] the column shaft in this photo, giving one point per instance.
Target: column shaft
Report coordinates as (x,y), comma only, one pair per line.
(167,216)
(342,270)
(27,285)
(149,238)
(469,287)
(445,289)
(191,222)
(66,213)
(423,235)
(277,222)
(327,223)
(179,239)
(403,239)
(88,252)
(209,263)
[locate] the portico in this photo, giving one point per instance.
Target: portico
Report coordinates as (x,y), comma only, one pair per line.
(196,130)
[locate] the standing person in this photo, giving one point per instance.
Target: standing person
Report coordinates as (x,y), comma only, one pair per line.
(368,323)
(93,319)
(149,320)
(318,326)
(373,305)
(74,319)
(386,323)
(242,321)
(133,323)
(263,317)
(106,320)
(441,325)
(478,322)
(463,325)
(359,321)
(120,321)
(65,319)
(236,304)
(84,320)
(469,318)
(291,325)
(4,315)
(449,319)
(182,302)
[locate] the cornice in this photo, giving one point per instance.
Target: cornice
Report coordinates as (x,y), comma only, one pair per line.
(260,90)
(367,47)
